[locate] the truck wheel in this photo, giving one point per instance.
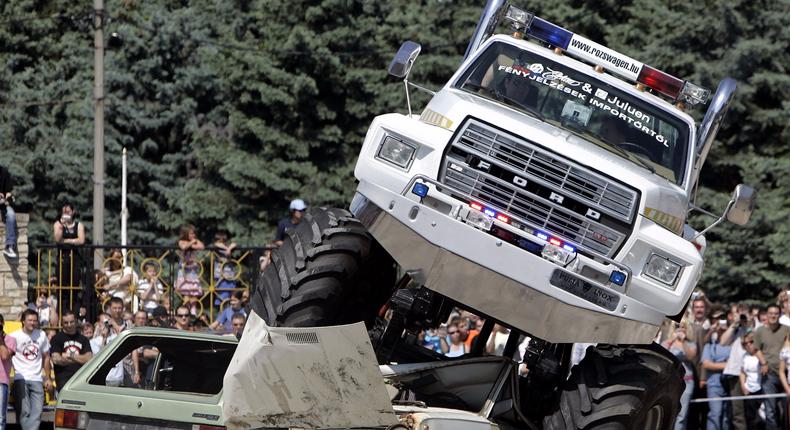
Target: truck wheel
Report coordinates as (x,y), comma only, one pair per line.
(328,271)
(635,387)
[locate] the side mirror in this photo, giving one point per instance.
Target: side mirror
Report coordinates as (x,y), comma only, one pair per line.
(738,210)
(404,59)
(741,205)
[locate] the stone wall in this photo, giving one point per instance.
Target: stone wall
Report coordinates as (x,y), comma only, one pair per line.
(13,273)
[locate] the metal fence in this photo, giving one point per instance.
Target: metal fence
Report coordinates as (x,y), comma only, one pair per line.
(206,282)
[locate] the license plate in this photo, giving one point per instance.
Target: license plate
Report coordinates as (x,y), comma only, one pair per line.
(584,289)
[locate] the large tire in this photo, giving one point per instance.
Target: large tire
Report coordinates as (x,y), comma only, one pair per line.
(615,387)
(328,271)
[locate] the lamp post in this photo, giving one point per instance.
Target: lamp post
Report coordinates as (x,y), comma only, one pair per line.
(98,130)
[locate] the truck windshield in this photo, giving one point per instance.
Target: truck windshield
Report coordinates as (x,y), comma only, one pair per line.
(583,105)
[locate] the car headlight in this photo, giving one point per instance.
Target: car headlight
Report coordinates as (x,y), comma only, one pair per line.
(396,152)
(662,269)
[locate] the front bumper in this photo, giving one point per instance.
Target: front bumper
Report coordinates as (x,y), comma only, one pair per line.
(514,286)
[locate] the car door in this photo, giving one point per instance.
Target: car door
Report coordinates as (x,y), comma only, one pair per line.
(180,384)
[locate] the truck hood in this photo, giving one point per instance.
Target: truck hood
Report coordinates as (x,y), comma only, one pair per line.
(662,201)
(305,377)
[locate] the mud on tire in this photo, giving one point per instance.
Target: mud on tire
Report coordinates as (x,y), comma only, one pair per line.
(615,387)
(329,270)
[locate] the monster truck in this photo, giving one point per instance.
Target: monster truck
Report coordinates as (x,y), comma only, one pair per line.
(545,187)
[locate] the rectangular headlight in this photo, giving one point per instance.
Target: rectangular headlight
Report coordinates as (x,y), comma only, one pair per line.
(662,269)
(396,152)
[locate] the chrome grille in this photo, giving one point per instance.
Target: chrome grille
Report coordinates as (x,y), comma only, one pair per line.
(523,157)
(555,173)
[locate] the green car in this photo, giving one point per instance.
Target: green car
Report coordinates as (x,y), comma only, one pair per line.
(179,387)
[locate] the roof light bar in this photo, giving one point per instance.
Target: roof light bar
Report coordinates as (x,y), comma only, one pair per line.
(615,62)
(552,34)
(663,83)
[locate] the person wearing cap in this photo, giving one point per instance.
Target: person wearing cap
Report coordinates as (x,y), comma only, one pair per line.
(297,208)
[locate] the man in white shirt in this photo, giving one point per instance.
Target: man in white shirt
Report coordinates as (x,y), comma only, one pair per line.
(109,330)
(32,356)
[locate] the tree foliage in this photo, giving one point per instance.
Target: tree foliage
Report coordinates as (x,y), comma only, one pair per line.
(230,109)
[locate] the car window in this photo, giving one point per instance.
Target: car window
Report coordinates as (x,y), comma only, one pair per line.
(166,364)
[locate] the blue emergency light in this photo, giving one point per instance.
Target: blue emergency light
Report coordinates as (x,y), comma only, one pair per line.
(420,189)
(552,34)
(617,277)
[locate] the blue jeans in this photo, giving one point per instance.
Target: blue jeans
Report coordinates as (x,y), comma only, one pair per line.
(28,403)
(771,385)
(685,398)
(717,410)
(10,226)
(3,404)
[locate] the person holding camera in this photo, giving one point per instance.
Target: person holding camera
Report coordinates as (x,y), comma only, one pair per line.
(735,333)
(67,230)
(6,208)
(714,360)
(7,350)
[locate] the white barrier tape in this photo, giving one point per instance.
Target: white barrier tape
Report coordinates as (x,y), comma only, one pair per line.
(752,397)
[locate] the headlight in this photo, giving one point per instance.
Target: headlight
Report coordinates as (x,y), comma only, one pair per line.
(396,152)
(662,269)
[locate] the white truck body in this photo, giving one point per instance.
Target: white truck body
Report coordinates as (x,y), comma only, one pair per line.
(432,235)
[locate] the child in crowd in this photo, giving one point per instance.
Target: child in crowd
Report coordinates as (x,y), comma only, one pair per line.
(150,289)
(188,283)
(224,270)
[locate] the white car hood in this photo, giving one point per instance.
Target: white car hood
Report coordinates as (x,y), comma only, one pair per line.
(319,378)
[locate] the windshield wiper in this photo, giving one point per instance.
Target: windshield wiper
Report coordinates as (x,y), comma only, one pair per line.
(507,100)
(529,109)
(626,154)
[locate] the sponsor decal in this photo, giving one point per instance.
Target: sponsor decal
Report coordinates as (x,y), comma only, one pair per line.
(551,78)
(625,112)
(614,61)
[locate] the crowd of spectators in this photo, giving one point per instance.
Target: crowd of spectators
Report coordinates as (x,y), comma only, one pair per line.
(726,351)
(733,351)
